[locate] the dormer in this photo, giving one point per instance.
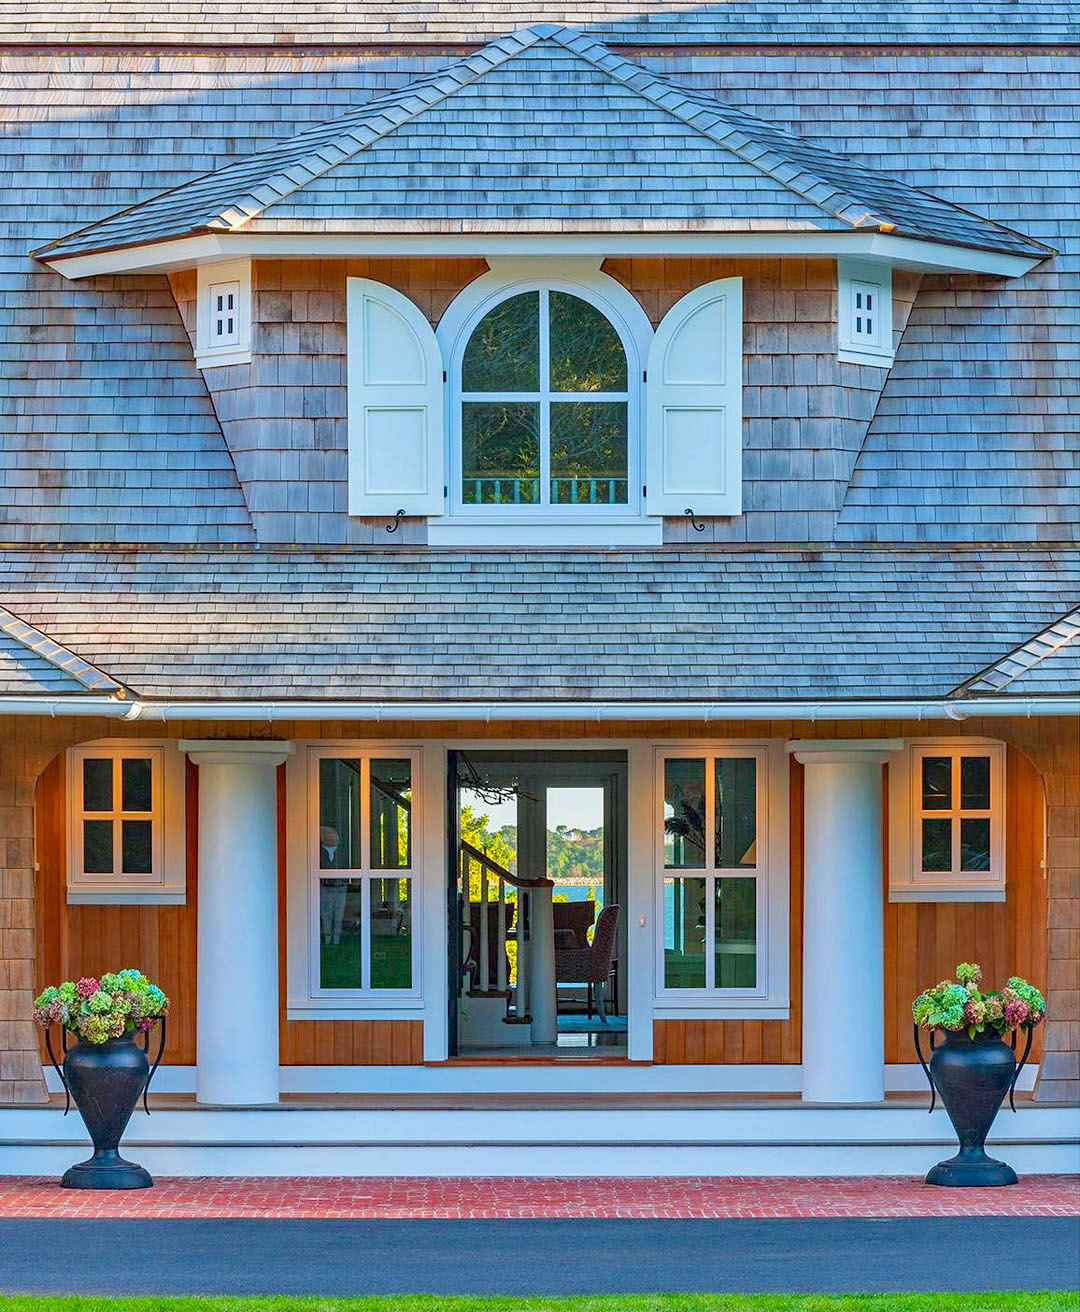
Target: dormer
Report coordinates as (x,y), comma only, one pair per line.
(538,388)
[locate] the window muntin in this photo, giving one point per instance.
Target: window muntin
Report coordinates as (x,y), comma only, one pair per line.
(117,815)
(545,407)
(955,803)
(712,918)
(362,917)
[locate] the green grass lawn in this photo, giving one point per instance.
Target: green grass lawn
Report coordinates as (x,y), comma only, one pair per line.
(1010,1302)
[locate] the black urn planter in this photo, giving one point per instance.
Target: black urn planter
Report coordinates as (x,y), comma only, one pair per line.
(973,1076)
(106,1081)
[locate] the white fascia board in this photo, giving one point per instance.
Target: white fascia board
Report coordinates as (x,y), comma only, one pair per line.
(900,252)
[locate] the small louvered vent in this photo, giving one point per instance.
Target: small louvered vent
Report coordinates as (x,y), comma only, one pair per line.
(224,314)
(223,332)
(865,313)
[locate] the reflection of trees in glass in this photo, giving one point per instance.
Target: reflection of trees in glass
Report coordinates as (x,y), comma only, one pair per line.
(503,354)
(585,351)
(500,440)
(588,442)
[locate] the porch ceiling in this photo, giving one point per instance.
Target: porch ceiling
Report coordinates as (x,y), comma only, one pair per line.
(592,626)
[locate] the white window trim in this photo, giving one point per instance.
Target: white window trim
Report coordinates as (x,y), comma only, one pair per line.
(908,882)
(770,1000)
(208,356)
(546,525)
(856,350)
(166,885)
(305,999)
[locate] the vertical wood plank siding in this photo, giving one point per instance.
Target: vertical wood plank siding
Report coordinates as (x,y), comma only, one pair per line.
(88,940)
(923,942)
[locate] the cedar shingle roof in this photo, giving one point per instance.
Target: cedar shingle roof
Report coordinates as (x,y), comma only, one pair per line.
(1047,663)
(31,663)
(350,22)
(545,128)
(395,624)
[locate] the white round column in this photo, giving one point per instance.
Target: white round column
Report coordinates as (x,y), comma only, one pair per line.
(843,994)
(237,1007)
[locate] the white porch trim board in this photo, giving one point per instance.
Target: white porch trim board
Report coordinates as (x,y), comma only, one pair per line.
(597,1078)
(579,1140)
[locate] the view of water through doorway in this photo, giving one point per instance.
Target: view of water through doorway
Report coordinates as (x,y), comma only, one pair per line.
(537,905)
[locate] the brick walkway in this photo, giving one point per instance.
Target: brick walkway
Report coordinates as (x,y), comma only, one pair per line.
(326,1198)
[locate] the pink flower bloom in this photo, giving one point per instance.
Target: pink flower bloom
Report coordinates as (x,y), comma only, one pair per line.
(1016,1011)
(87,987)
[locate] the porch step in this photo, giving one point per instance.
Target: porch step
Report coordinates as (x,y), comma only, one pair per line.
(540,1141)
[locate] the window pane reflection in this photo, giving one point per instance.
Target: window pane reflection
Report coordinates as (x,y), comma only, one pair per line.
(736,933)
(136,789)
(391,934)
(975,844)
(586,353)
(341,931)
(500,453)
(98,847)
(391,814)
(684,933)
(503,354)
(97,784)
(588,453)
(736,813)
(936,783)
(339,814)
(937,844)
(684,813)
(136,847)
(975,783)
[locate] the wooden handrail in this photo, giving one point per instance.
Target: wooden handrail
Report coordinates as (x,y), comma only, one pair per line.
(518,881)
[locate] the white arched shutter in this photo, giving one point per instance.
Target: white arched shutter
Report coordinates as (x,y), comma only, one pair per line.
(395,382)
(693,432)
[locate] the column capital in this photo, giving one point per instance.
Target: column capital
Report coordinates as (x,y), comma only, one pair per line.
(236,751)
(844,751)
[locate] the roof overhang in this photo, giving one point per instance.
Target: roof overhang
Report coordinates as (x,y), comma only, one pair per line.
(929,708)
(211,247)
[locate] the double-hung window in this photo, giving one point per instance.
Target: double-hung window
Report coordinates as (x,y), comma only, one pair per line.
(717,890)
(361,876)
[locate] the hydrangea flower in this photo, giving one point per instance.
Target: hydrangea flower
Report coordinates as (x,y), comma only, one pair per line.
(120,1002)
(969,973)
(960,1005)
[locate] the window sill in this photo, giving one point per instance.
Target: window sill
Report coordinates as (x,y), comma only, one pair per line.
(947,893)
(880,359)
(218,359)
(163,897)
(556,531)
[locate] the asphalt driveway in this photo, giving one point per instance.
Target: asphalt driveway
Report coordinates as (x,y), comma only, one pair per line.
(232,1256)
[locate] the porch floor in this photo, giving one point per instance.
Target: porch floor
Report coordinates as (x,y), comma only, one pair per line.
(453,1198)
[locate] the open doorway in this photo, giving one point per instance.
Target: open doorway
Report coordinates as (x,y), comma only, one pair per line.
(538,905)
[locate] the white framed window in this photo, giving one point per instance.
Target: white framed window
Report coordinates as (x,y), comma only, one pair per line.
(545,365)
(947,822)
(125,831)
(544,410)
(721,876)
(360,882)
(223,314)
(865,328)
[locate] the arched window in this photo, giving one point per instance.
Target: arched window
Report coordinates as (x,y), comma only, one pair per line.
(545,405)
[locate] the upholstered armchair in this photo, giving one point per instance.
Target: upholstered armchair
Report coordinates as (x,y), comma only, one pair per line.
(592,965)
